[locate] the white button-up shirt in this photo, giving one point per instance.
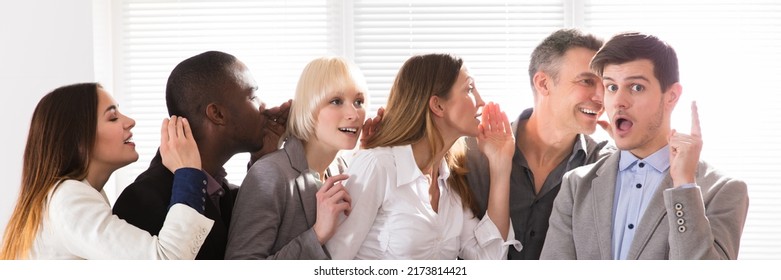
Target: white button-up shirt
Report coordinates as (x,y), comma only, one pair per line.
(392,217)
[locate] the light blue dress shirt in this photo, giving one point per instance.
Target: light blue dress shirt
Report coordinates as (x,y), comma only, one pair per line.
(636,183)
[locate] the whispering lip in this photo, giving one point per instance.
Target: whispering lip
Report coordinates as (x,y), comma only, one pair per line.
(590,111)
(351,130)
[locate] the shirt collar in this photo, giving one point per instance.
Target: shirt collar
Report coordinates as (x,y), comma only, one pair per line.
(659,160)
(406,168)
(214,184)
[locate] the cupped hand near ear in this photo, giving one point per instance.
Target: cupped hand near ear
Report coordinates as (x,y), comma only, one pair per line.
(371,126)
(274,127)
(495,137)
(177,145)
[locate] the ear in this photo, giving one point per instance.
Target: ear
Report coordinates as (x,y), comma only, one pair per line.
(540,83)
(214,114)
(436,106)
(672,96)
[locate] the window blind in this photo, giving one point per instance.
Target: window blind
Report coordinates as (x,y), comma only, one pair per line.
(495,39)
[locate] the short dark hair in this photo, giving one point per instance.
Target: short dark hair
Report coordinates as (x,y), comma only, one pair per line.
(196,82)
(547,55)
(631,46)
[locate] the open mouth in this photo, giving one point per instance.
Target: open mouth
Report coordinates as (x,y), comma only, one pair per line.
(349,130)
(129,140)
(623,125)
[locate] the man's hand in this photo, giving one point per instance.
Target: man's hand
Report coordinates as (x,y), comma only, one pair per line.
(274,126)
(371,126)
(685,151)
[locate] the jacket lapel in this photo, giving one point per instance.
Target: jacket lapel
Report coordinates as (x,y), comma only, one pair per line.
(604,185)
(307,195)
(306,185)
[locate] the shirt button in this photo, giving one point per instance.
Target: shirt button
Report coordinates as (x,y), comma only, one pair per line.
(681,229)
(641,165)
(681,221)
(204,182)
(203,190)
(638,186)
(679,213)
(531,233)
(631,226)
(678,206)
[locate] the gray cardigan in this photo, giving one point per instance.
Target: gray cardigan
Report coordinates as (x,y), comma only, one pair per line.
(276,208)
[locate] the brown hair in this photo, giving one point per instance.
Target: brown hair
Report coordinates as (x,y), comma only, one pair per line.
(62,134)
(626,47)
(408,119)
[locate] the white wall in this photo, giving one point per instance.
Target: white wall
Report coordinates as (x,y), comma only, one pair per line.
(44,44)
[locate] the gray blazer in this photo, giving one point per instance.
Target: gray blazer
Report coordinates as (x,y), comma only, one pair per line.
(276,208)
(694,223)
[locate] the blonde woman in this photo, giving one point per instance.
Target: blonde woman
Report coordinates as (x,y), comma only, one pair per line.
(289,203)
(77,139)
(410,198)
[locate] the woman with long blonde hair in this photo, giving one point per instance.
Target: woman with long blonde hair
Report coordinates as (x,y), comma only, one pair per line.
(77,139)
(407,204)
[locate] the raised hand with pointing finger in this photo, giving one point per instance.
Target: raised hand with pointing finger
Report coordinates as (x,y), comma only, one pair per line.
(685,151)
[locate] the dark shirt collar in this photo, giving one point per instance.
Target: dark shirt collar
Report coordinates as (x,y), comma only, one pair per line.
(214,183)
(580,142)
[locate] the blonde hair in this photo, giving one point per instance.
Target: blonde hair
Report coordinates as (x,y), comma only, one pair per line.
(320,77)
(408,119)
(62,134)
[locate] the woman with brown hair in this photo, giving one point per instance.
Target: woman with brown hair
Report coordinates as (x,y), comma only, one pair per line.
(77,139)
(406,203)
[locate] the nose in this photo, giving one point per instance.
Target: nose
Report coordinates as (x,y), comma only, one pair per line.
(352,112)
(478,99)
(130,123)
(621,99)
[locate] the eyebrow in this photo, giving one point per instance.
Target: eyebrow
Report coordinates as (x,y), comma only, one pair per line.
(639,77)
(587,75)
(112,107)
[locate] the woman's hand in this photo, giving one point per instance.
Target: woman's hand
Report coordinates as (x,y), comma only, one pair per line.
(177,145)
(332,200)
(495,137)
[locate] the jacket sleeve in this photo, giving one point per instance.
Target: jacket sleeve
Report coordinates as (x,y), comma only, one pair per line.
(712,231)
(84,220)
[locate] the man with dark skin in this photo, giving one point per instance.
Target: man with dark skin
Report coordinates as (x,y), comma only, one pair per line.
(217,94)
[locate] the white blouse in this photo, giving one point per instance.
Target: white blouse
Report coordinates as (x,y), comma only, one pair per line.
(392,217)
(78,224)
